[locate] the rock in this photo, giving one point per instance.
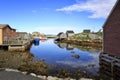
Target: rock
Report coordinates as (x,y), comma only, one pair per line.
(39,76)
(32,74)
(24,73)
(51,78)
(85,79)
(14,70)
(76,56)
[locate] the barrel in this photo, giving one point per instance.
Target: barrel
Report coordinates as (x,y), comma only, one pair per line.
(36,41)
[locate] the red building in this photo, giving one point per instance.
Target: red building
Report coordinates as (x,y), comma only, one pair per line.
(6,33)
(111,32)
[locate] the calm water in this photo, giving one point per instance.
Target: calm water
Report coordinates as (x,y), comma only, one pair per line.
(71,57)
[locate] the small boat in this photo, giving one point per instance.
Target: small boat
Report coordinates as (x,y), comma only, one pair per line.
(42,38)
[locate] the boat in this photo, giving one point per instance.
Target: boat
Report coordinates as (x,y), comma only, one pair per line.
(42,38)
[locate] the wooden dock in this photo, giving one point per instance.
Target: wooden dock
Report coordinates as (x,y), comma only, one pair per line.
(21,45)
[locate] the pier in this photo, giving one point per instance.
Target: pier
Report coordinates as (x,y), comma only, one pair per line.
(16,45)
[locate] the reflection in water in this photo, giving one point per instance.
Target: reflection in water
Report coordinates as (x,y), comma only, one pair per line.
(68,47)
(83,48)
(63,56)
(65,45)
(109,66)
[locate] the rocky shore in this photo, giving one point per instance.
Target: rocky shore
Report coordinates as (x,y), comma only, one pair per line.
(83,43)
(22,62)
(14,74)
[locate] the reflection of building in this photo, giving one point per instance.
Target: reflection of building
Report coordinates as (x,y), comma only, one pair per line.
(69,47)
(109,66)
(111,32)
(65,45)
(62,45)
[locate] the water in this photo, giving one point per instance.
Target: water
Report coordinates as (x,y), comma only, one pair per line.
(70,57)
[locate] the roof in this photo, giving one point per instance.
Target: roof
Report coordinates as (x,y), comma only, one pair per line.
(21,32)
(70,31)
(60,33)
(112,11)
(3,26)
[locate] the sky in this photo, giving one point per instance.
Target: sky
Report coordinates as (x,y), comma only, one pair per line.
(54,16)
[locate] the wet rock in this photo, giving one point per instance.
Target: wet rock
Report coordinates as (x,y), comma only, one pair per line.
(76,56)
(32,74)
(52,78)
(24,73)
(14,70)
(85,79)
(42,77)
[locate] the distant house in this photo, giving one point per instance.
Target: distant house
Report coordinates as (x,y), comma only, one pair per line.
(61,35)
(111,31)
(69,33)
(6,33)
(86,31)
(22,35)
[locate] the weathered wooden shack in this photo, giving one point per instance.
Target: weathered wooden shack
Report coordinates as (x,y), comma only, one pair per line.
(69,33)
(6,33)
(111,31)
(61,35)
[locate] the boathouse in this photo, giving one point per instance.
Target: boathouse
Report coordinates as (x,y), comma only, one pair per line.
(6,33)
(69,33)
(12,40)
(111,31)
(61,35)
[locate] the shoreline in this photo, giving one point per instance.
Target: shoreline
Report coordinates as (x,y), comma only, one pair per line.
(22,62)
(83,43)
(5,70)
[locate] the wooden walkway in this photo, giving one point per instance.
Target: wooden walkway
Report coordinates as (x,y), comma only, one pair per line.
(16,45)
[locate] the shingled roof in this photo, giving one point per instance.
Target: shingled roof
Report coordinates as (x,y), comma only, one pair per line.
(5,25)
(70,31)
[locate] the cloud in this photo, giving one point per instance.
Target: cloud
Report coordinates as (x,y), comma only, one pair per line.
(98,8)
(34,11)
(56,29)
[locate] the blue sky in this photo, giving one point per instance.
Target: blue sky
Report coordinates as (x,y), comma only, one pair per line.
(54,16)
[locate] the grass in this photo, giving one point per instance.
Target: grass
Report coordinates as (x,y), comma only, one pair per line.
(22,61)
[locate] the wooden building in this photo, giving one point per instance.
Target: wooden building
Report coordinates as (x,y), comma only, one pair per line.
(6,33)
(111,31)
(21,35)
(61,35)
(69,33)
(86,31)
